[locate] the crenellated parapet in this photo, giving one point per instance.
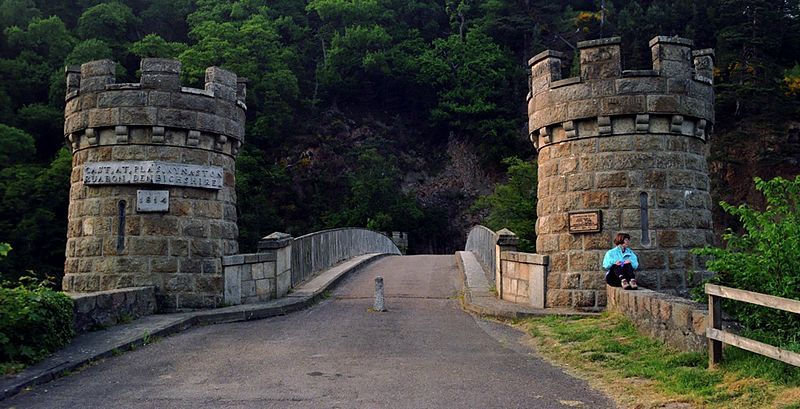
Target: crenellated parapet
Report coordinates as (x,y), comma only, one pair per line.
(675,97)
(157,110)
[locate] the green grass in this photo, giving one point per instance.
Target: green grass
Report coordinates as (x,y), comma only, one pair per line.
(609,351)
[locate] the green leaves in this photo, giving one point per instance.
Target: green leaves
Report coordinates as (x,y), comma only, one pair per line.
(763,258)
(16,146)
(113,22)
(152,45)
(34,321)
(513,204)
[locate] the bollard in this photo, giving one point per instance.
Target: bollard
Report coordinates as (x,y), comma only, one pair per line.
(379,305)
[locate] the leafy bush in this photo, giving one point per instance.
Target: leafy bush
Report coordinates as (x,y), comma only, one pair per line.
(763,259)
(34,321)
(513,204)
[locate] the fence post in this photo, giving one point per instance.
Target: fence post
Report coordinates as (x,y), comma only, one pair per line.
(714,321)
(506,241)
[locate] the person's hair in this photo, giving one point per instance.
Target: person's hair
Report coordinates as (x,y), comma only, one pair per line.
(621,238)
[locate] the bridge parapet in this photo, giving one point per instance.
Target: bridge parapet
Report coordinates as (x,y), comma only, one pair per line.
(283,262)
(517,276)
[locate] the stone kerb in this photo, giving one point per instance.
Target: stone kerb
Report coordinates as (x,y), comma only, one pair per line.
(676,97)
(157,110)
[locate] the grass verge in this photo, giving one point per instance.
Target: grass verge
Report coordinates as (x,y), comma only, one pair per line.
(639,372)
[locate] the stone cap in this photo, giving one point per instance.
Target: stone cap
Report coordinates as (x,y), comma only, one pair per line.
(600,42)
(506,238)
(671,40)
(528,258)
(704,52)
(275,240)
(546,54)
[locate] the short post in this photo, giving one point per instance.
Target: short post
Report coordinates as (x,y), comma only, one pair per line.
(714,321)
(379,304)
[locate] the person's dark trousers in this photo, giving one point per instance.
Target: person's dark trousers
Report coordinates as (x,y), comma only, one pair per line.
(617,273)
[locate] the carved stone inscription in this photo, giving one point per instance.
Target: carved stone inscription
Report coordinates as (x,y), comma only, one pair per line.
(585,222)
(152,173)
(152,201)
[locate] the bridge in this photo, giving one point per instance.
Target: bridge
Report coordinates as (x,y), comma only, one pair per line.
(152,228)
(425,351)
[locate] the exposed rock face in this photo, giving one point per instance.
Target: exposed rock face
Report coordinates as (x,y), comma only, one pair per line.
(631,145)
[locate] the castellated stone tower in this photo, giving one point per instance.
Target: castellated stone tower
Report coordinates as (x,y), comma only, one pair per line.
(621,151)
(152,200)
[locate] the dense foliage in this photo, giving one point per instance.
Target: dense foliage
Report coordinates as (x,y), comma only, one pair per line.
(764,258)
(351,103)
(34,320)
(512,205)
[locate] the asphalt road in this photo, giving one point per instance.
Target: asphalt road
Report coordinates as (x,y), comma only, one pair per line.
(425,352)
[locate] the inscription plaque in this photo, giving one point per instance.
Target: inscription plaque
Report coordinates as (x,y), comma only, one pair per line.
(585,221)
(152,173)
(148,201)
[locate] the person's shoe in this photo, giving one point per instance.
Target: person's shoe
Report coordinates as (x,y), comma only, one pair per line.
(633,284)
(625,285)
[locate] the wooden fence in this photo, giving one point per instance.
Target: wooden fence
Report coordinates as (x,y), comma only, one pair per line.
(716,336)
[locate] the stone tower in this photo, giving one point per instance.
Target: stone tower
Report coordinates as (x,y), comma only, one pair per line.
(152,199)
(621,151)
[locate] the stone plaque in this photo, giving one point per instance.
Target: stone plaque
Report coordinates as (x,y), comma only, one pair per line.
(152,173)
(585,221)
(148,201)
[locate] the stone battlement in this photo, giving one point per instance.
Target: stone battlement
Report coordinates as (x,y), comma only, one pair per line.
(155,111)
(675,97)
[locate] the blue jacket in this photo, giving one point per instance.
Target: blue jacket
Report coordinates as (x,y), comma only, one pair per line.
(616,254)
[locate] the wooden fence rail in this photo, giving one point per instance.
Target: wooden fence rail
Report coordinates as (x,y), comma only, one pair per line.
(716,336)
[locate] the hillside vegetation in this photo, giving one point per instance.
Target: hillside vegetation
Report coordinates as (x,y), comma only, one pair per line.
(389,114)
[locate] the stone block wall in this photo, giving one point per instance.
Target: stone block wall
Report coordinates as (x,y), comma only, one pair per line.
(259,277)
(631,145)
(106,308)
(174,144)
(523,278)
(675,321)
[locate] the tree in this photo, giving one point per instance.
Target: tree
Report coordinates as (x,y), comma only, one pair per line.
(471,78)
(45,124)
(89,50)
(763,258)
(112,22)
(16,146)
(152,45)
(17,13)
(33,212)
(513,204)
(375,200)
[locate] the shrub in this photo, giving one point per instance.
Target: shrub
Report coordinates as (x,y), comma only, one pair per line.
(763,259)
(513,204)
(34,321)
